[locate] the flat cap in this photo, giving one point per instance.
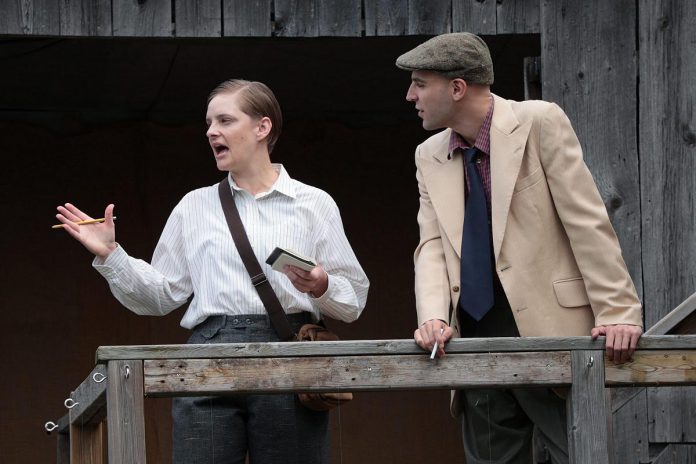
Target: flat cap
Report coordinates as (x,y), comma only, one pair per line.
(460,54)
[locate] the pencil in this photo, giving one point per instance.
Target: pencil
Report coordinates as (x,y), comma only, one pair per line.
(81,223)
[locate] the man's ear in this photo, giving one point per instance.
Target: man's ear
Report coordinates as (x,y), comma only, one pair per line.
(263,128)
(458,87)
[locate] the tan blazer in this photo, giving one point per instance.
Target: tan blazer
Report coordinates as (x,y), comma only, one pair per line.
(556,253)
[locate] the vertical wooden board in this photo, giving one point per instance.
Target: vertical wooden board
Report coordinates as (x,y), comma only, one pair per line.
(88,443)
(295,18)
(589,69)
(340,18)
(629,425)
(202,18)
(85,18)
(142,18)
(477,16)
(11,18)
(677,454)
(386,17)
(587,425)
(667,128)
(671,413)
(429,17)
(247,18)
(517,17)
(30,17)
(125,412)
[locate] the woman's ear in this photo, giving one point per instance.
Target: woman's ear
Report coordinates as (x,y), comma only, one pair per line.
(263,128)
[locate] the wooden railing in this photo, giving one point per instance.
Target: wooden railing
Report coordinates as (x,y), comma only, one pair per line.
(125,374)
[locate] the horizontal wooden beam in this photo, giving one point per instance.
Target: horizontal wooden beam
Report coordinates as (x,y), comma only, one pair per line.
(376,347)
(354,373)
(654,368)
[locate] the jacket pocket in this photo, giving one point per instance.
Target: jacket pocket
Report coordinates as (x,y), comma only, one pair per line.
(528,181)
(571,293)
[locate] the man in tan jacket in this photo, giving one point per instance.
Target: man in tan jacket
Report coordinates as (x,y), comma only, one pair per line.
(534,254)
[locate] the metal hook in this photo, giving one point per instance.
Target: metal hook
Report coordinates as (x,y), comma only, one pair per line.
(50,426)
(70,403)
(590,363)
(98,377)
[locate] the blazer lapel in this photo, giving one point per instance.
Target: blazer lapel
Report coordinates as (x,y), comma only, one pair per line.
(444,178)
(508,139)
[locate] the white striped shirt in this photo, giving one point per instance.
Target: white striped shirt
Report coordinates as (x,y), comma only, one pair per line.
(196,255)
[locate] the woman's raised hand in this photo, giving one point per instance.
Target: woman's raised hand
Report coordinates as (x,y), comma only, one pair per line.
(98,238)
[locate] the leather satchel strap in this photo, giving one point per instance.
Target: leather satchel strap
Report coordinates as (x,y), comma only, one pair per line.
(258,279)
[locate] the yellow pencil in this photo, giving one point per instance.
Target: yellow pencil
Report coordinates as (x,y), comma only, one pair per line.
(82,223)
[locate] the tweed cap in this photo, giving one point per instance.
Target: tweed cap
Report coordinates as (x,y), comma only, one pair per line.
(460,54)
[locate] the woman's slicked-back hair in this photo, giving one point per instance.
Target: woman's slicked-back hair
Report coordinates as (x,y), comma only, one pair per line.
(257,101)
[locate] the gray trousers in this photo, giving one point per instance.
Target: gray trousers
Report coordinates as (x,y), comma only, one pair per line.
(497,425)
(272,429)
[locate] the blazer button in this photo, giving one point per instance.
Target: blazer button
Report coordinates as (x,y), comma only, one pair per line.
(455,288)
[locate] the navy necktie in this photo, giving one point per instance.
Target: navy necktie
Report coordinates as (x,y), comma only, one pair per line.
(476,297)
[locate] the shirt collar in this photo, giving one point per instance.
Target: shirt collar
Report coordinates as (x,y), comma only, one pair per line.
(283,184)
(483,138)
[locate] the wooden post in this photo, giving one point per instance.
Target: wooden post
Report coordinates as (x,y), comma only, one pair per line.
(587,423)
(125,415)
(88,444)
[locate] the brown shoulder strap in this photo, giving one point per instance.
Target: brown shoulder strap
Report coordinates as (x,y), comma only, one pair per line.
(270,300)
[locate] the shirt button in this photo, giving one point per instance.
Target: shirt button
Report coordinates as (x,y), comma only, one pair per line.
(455,288)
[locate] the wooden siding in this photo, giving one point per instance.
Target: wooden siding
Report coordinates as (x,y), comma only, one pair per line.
(265,18)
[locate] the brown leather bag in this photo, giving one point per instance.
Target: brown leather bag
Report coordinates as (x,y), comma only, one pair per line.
(320,401)
(279,320)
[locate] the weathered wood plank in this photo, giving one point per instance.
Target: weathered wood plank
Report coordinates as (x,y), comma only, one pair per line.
(88,444)
(518,17)
(654,368)
(679,320)
(125,415)
(354,373)
(677,454)
(142,18)
(296,19)
(667,128)
(532,77)
(340,18)
(202,18)
(385,18)
(90,398)
(587,415)
(429,17)
(63,440)
(377,347)
(589,65)
(247,18)
(629,429)
(671,412)
(85,18)
(30,17)
(477,16)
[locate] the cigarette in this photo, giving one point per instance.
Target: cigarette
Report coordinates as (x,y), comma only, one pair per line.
(81,223)
(432,355)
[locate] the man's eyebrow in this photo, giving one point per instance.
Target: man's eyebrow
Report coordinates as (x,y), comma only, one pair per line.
(419,80)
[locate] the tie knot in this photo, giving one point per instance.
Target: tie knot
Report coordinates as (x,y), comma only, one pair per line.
(470,154)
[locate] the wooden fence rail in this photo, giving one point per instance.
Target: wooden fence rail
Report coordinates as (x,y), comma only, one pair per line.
(125,374)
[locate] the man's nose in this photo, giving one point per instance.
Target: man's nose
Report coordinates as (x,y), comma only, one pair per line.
(410,94)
